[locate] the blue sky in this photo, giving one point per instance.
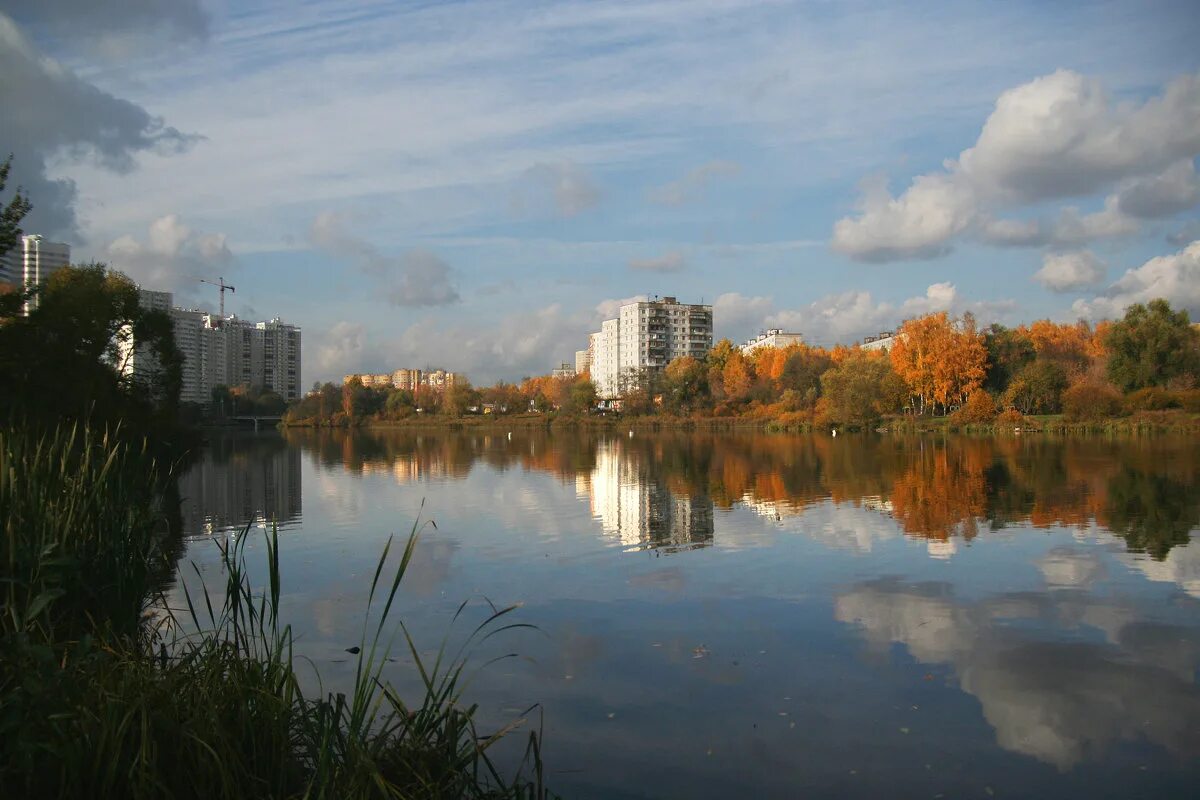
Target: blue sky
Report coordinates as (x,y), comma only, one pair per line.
(474,185)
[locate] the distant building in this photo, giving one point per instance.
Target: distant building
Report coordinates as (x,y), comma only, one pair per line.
(583,361)
(775,337)
(646,336)
(883,341)
(32,262)
(225,352)
(410,379)
(563,370)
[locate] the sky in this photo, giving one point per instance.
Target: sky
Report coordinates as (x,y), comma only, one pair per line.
(476,185)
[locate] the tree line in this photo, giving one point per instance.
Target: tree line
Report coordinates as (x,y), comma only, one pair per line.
(937,365)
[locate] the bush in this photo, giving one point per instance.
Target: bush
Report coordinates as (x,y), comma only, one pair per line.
(1152,398)
(979,408)
(1188,400)
(1011,417)
(1085,402)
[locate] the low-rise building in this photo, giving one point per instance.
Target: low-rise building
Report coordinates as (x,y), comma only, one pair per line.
(563,370)
(883,341)
(775,337)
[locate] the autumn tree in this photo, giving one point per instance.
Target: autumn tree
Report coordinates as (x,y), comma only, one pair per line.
(684,385)
(941,360)
(1037,388)
(1153,346)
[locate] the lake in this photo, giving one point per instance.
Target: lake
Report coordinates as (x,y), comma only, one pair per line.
(757,615)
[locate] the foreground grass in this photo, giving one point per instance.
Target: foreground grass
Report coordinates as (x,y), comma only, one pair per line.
(103,694)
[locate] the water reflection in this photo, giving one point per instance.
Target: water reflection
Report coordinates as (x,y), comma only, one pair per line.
(660,491)
(862,617)
(241,479)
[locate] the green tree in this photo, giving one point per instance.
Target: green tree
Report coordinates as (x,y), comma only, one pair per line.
(12,214)
(1152,346)
(582,396)
(71,356)
(802,374)
(860,389)
(684,385)
(1008,352)
(1037,388)
(459,397)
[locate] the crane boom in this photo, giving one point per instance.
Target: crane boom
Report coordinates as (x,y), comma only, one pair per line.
(222,285)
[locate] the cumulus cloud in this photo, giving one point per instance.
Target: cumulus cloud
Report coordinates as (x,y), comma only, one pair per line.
(171,257)
(847,316)
(568,187)
(738,316)
(693,185)
(672,261)
(1064,272)
(415,278)
(1175,189)
(1175,277)
(342,349)
(48,112)
(1055,137)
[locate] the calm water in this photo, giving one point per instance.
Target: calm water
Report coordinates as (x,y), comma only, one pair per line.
(768,616)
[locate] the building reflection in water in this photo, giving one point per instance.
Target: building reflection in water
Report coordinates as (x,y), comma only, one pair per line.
(635,505)
(241,480)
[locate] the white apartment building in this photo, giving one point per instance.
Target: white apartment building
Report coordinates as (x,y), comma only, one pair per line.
(647,335)
(226,352)
(883,341)
(563,370)
(583,361)
(775,337)
(32,261)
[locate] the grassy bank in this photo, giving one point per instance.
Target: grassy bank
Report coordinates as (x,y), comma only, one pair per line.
(106,692)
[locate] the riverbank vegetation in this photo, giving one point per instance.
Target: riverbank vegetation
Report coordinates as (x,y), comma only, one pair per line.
(1140,372)
(108,692)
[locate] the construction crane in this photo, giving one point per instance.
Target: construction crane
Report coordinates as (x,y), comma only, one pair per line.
(222,285)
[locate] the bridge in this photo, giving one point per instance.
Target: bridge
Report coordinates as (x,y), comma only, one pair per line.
(274,420)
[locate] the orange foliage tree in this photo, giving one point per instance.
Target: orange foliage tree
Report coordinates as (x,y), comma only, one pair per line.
(941,359)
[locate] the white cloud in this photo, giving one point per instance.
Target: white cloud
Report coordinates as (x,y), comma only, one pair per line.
(415,278)
(1063,272)
(848,316)
(1175,277)
(918,224)
(1057,136)
(672,261)
(172,257)
(609,309)
(737,316)
(342,350)
(693,185)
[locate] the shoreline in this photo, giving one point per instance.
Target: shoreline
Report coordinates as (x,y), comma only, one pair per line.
(1138,423)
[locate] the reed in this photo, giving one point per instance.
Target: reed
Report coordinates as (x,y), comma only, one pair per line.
(105,691)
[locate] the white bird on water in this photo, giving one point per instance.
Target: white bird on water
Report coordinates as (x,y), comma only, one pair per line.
(631,434)
(834,432)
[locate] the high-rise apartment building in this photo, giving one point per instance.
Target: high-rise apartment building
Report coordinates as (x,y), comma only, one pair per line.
(226,352)
(646,336)
(32,261)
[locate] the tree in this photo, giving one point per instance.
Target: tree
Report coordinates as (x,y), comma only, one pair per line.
(942,360)
(70,357)
(802,370)
(1037,388)
(1008,352)
(459,397)
(1152,346)
(684,385)
(858,391)
(582,396)
(12,214)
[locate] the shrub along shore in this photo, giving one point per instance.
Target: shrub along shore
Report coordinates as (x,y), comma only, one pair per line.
(106,691)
